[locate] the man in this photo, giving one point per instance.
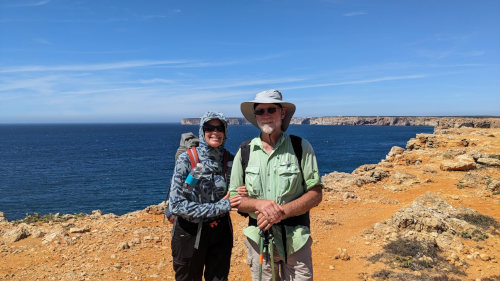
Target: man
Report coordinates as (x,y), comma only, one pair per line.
(281,191)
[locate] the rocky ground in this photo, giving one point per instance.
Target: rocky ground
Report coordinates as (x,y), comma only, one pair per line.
(429,211)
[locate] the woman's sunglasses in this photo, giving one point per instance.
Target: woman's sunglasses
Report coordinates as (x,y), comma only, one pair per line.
(211,128)
(261,111)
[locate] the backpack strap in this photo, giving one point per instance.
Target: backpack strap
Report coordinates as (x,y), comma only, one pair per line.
(245,156)
(193,156)
(297,149)
(225,159)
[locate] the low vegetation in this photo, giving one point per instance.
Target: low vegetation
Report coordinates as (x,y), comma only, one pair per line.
(415,256)
(36,218)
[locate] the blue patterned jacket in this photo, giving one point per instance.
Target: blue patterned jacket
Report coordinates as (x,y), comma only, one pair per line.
(203,202)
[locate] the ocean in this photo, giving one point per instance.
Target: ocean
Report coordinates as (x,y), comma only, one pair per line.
(119,168)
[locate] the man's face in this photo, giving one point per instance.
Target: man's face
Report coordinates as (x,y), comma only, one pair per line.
(269,117)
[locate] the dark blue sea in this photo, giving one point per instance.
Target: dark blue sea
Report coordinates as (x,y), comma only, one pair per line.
(120,168)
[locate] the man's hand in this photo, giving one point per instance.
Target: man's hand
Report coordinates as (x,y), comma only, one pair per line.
(262,222)
(242,191)
(270,210)
(234,201)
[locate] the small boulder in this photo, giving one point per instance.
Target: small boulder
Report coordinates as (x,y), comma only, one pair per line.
(472,180)
(157,209)
(123,246)
(452,153)
(403,178)
(395,150)
(79,229)
(16,234)
(493,185)
(3,218)
(460,163)
(54,236)
(489,162)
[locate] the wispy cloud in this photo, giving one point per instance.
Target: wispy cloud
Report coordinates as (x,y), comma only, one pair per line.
(92,67)
(355,13)
(123,65)
(355,82)
(42,41)
(247,82)
(31,3)
(452,52)
(152,17)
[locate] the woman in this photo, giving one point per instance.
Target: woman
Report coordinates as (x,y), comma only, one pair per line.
(202,237)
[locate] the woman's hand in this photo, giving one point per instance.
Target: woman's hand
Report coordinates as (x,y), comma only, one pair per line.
(242,191)
(234,201)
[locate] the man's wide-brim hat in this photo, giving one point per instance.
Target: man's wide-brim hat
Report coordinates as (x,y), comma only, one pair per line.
(268,96)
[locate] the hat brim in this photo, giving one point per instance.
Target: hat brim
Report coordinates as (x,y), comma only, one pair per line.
(248,112)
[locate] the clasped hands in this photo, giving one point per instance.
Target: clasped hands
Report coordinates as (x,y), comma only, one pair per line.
(268,212)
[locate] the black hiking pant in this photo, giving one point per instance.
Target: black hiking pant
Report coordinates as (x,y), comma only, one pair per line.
(213,256)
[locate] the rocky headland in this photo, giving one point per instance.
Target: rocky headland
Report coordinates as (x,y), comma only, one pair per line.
(428,211)
(437,122)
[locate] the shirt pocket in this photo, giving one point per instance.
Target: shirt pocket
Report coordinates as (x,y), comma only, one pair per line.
(288,177)
(252,181)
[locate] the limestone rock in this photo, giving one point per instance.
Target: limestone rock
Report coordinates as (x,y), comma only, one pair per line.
(157,209)
(96,214)
(55,235)
(395,150)
(342,255)
(448,242)
(489,161)
(79,229)
(16,234)
(493,185)
(452,153)
(3,218)
(472,180)
(123,246)
(403,178)
(460,163)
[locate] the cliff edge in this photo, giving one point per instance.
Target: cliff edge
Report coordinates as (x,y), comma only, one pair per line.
(438,122)
(428,211)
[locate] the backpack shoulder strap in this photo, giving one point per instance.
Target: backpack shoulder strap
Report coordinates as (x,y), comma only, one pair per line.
(245,156)
(297,149)
(227,157)
(193,156)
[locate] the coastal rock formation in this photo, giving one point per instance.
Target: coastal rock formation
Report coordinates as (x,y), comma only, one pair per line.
(404,218)
(438,122)
(230,121)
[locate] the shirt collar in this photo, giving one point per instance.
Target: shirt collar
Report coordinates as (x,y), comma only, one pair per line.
(258,142)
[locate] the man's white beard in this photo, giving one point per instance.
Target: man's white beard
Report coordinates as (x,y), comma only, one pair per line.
(266,129)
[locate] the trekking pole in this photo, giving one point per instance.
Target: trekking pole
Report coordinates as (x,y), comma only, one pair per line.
(261,254)
(270,251)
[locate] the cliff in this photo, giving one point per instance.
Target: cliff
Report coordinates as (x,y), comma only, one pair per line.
(428,211)
(438,122)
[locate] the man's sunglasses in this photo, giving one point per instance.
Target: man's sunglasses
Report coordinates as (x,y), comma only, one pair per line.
(261,111)
(211,128)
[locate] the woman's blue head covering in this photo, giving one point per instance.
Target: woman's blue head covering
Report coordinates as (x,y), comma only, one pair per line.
(212,156)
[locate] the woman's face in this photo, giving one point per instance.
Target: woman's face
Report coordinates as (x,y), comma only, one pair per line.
(214,132)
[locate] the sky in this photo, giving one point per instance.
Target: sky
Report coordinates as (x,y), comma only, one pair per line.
(160,61)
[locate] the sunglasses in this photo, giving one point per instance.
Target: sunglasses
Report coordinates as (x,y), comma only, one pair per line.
(211,128)
(261,111)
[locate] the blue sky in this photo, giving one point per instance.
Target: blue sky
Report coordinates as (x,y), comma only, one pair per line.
(159,61)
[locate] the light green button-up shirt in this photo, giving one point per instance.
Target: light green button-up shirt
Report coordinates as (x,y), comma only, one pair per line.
(277,177)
